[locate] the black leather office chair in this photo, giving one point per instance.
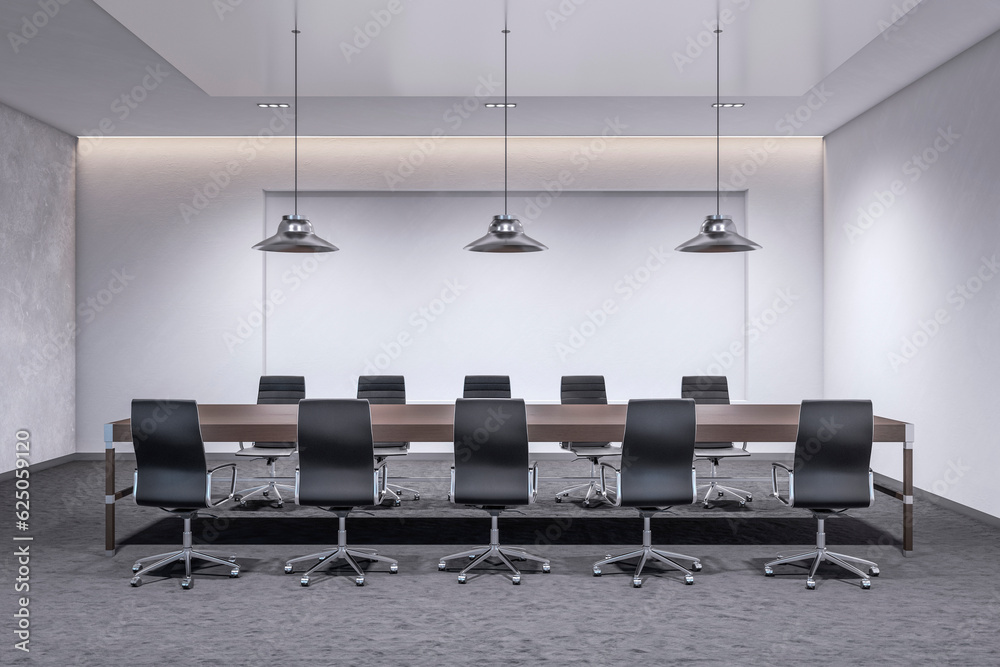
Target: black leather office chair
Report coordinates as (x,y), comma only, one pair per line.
(708,389)
(655,474)
(492,471)
(486,386)
(171,473)
(337,473)
(387,389)
(273,389)
(833,450)
(589,389)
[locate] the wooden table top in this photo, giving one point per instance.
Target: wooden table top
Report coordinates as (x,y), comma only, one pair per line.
(424,422)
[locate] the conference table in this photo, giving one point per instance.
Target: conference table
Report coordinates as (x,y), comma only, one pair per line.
(418,422)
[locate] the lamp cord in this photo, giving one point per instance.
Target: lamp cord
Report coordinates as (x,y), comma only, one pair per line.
(296,122)
(505,33)
(718,111)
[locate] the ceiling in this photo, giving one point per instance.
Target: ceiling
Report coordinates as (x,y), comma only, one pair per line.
(409,67)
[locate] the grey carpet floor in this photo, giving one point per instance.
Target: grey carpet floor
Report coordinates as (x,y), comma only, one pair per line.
(941,606)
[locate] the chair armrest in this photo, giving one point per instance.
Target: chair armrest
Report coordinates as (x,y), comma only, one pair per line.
(380,480)
(871,487)
(694,486)
(532,482)
(241,445)
(232,485)
(451,493)
(790,501)
(617,502)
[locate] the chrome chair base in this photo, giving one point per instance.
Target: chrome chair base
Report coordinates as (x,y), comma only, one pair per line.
(647,553)
(596,491)
(504,554)
(186,554)
(714,490)
(342,552)
(265,489)
(821,554)
(395,493)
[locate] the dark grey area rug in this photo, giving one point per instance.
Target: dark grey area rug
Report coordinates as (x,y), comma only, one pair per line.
(941,606)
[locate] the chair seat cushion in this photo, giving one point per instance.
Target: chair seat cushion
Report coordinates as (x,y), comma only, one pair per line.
(711,452)
(267,452)
(391,448)
(584,451)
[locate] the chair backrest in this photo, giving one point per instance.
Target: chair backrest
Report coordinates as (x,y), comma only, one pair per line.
(657,452)
(382,389)
(277,389)
(491,452)
(486,386)
(171,470)
(586,389)
(280,389)
(336,454)
(833,451)
(707,389)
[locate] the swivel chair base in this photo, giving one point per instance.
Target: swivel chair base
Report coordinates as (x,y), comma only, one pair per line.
(186,554)
(394,492)
(494,550)
(714,490)
(265,489)
(820,554)
(647,552)
(342,552)
(596,491)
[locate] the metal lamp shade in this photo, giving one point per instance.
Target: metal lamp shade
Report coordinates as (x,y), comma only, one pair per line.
(718,234)
(505,235)
(295,234)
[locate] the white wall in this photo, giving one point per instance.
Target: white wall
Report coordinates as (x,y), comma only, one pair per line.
(910,222)
(175,330)
(37,346)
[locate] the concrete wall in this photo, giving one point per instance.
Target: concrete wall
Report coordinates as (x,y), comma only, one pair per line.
(911,261)
(171,222)
(37,288)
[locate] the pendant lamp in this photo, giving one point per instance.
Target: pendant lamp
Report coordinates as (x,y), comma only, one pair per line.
(718,232)
(295,232)
(505,234)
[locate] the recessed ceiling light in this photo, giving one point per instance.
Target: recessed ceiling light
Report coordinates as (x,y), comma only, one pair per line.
(272,105)
(500,105)
(728,105)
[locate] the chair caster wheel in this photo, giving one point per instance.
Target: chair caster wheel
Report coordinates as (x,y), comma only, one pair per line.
(516,580)
(461,578)
(597,571)
(304,581)
(696,566)
(721,494)
(267,493)
(242,502)
(232,559)
(136,567)
(136,582)
(607,556)
(280,503)
(688,579)
(558,499)
(441,565)
(866,584)
(187,583)
(810,584)
(743,503)
(586,503)
(360,581)
(416,496)
(394,568)
(637,583)
(768,572)
(873,571)
(288,568)
(705,504)
(546,568)
(396,502)
(234,573)
(749,498)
